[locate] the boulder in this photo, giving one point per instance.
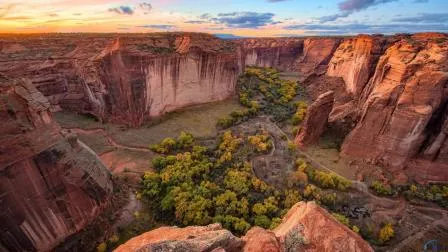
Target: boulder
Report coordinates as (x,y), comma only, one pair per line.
(259,239)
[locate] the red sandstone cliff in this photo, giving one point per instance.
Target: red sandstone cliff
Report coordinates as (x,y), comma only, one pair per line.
(51,184)
(280,53)
(355,60)
(403,107)
(306,227)
(124,79)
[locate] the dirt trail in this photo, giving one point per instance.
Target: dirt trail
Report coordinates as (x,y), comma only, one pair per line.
(109,138)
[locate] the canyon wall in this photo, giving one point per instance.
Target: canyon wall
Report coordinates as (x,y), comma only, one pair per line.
(141,85)
(403,107)
(124,79)
(51,184)
(279,53)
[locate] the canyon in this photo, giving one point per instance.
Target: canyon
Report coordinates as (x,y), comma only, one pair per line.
(386,95)
(382,84)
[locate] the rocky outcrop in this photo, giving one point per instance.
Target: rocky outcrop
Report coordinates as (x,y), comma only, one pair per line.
(306,227)
(316,119)
(280,53)
(194,238)
(403,104)
(317,52)
(51,184)
(311,228)
(355,60)
(259,239)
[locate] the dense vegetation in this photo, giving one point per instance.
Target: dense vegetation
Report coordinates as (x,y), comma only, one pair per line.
(263,92)
(194,185)
(198,186)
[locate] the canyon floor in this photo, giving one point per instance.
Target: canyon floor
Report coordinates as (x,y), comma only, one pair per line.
(125,151)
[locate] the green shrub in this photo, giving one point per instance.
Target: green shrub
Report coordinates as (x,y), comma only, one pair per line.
(342,219)
(386,233)
(381,189)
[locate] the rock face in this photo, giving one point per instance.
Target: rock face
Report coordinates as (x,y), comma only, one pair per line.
(259,239)
(148,85)
(316,55)
(124,79)
(355,60)
(194,238)
(306,227)
(316,119)
(280,53)
(404,105)
(51,184)
(311,228)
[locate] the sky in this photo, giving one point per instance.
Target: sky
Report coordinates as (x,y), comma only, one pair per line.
(247,18)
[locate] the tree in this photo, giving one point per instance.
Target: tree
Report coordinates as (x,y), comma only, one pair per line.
(237,181)
(262,221)
(292,197)
(185,140)
(151,184)
(386,233)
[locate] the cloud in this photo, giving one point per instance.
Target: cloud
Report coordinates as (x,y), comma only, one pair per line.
(348,7)
(195,22)
(357,5)
(16,18)
(420,1)
(424,18)
(158,26)
(77,14)
(146,6)
(122,10)
(355,28)
(241,19)
(334,17)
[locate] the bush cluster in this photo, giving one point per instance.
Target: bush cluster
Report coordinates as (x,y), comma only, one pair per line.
(434,193)
(184,140)
(381,189)
(300,113)
(202,186)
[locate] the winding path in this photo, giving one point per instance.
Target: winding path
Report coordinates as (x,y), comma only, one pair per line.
(109,138)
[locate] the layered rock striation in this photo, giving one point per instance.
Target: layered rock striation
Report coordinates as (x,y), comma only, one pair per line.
(403,107)
(124,79)
(51,184)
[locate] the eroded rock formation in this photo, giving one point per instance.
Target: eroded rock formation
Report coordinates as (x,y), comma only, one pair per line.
(403,106)
(280,53)
(306,227)
(355,60)
(51,184)
(313,229)
(194,238)
(317,52)
(316,119)
(124,79)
